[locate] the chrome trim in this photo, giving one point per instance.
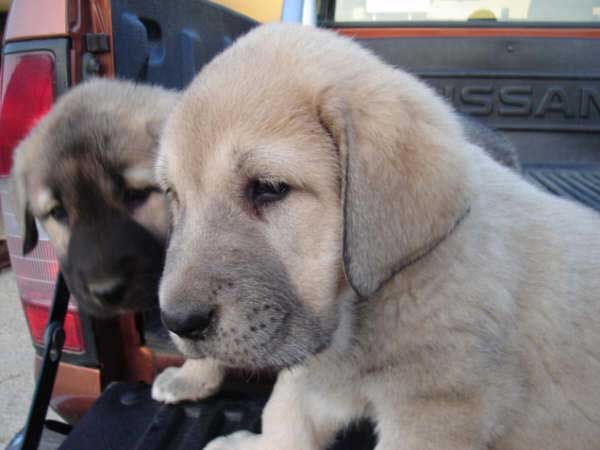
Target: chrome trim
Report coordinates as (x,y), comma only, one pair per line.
(309,13)
(299,11)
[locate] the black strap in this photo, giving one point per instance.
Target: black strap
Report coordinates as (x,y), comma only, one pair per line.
(54,338)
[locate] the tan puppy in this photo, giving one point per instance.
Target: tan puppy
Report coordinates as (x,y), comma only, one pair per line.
(332,220)
(85,172)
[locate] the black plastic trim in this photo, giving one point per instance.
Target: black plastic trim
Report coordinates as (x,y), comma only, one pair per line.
(516,75)
(522,76)
(580,183)
(169,46)
(126,418)
(54,339)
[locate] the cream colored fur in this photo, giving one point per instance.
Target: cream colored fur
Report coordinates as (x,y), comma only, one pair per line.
(467,301)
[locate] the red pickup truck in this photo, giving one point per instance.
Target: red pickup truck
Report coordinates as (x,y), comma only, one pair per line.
(528,68)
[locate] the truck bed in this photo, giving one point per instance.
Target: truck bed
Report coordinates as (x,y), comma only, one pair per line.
(581,184)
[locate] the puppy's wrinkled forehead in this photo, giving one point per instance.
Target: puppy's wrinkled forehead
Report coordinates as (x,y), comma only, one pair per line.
(84,181)
(90,158)
(234,108)
(209,149)
(109,136)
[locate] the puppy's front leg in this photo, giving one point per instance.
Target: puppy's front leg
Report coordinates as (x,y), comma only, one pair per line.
(195,380)
(290,421)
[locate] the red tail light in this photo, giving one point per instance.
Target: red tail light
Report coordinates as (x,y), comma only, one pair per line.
(27,93)
(37,317)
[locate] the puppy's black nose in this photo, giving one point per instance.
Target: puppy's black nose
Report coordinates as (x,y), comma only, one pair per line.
(110,291)
(190,326)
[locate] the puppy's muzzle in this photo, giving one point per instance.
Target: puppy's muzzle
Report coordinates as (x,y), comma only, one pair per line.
(193,326)
(110,291)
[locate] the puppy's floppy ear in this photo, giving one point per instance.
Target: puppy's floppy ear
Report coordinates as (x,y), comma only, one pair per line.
(404,184)
(30,232)
(20,197)
(24,217)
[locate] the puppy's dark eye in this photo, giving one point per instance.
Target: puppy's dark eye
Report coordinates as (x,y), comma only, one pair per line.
(261,192)
(134,198)
(59,213)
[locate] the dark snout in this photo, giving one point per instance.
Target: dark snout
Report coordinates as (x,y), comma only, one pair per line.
(110,290)
(226,294)
(113,264)
(193,325)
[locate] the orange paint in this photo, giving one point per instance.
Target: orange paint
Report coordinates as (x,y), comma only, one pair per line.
(93,16)
(75,389)
(102,24)
(138,360)
(26,20)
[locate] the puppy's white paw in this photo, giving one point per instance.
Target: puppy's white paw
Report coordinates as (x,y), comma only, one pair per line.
(195,380)
(173,386)
(241,440)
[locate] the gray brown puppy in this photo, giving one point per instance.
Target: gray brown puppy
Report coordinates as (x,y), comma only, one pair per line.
(332,220)
(85,172)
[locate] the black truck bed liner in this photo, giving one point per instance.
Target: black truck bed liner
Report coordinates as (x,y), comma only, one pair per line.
(576,183)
